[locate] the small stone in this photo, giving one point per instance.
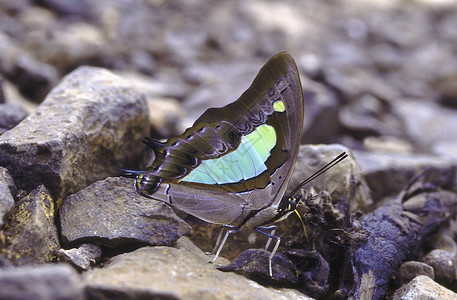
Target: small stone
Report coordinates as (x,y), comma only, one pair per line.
(49,281)
(89,125)
(423,287)
(444,265)
(83,257)
(111,212)
(10,115)
(30,232)
(256,261)
(410,270)
(7,192)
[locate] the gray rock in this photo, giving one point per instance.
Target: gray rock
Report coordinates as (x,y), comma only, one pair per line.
(83,257)
(62,40)
(387,173)
(368,115)
(10,115)
(444,264)
(344,181)
(183,272)
(30,232)
(49,281)
(111,212)
(410,270)
(88,126)
(7,192)
(430,127)
(423,287)
(33,77)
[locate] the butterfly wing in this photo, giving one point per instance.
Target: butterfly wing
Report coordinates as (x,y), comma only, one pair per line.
(236,160)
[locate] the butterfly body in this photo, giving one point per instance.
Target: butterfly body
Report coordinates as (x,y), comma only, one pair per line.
(233,165)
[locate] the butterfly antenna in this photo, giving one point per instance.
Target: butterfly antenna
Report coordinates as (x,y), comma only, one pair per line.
(322,170)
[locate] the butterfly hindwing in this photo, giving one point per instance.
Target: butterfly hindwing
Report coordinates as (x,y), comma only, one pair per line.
(236,159)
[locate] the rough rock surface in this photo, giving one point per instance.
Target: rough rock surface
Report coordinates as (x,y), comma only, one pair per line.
(88,126)
(111,212)
(181,272)
(30,233)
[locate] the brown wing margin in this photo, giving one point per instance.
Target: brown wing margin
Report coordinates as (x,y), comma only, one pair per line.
(244,109)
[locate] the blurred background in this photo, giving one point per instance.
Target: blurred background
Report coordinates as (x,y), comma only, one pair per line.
(378,75)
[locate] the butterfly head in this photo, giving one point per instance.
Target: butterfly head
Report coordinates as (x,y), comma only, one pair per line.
(287,206)
(145,184)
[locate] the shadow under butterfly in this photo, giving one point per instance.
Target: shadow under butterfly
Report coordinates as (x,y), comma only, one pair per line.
(232,167)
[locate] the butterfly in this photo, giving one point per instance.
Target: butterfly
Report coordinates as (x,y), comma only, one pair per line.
(232,167)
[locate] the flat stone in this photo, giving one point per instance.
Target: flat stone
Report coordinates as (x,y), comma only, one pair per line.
(48,281)
(30,232)
(91,124)
(111,212)
(423,287)
(183,272)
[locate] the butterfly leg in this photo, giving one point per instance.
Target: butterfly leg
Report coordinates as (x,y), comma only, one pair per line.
(271,236)
(220,244)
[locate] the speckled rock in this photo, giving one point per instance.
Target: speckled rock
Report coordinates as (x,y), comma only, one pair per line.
(50,281)
(182,272)
(88,126)
(111,212)
(30,232)
(423,287)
